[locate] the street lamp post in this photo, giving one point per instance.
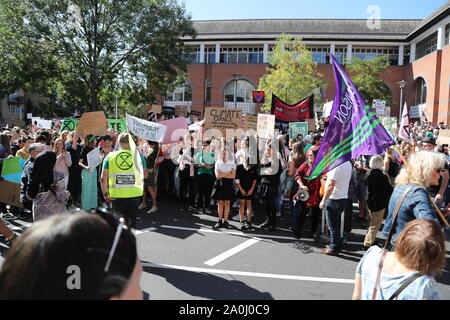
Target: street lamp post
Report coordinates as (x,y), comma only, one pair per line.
(236,77)
(402,84)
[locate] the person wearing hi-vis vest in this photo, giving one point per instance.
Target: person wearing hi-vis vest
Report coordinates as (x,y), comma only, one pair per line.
(122,179)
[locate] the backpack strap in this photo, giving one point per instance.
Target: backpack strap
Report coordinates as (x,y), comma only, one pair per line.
(377,282)
(400,200)
(406,283)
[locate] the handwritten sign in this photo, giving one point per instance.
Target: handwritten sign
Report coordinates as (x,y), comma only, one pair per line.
(250,122)
(296,128)
(145,129)
(176,128)
(156,109)
(94,158)
(181,111)
(444,137)
(266,126)
(94,123)
(223,118)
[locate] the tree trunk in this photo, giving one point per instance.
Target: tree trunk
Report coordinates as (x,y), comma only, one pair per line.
(94,78)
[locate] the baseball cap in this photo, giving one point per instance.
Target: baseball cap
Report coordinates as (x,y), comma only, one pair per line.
(429,139)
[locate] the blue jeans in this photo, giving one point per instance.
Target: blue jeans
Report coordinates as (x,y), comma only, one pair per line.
(333,211)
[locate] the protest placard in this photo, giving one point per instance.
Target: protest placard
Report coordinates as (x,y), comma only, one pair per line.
(119,125)
(176,128)
(296,128)
(223,119)
(444,137)
(156,109)
(12,169)
(10,193)
(69,124)
(94,123)
(311,124)
(145,129)
(181,111)
(41,123)
(94,158)
(266,126)
(250,122)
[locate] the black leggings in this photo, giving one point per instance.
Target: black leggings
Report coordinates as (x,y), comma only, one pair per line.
(205,184)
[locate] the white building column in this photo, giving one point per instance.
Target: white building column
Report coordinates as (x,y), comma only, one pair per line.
(332,50)
(440,37)
(202,53)
(266,52)
(401,53)
(412,52)
(349,53)
(218,53)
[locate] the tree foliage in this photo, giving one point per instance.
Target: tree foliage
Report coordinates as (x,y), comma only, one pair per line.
(292,74)
(81,49)
(365,74)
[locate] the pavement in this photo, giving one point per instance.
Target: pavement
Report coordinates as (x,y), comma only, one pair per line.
(185,259)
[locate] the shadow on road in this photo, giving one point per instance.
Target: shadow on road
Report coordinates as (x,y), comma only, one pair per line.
(208,286)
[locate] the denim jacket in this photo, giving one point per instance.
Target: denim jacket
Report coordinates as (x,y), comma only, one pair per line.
(416,205)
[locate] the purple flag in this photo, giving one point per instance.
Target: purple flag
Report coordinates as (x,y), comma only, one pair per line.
(404,133)
(354,129)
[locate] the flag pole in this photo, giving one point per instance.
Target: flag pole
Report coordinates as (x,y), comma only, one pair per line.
(439,212)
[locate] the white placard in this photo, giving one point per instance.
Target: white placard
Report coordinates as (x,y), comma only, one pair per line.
(145,129)
(42,123)
(29,115)
(94,158)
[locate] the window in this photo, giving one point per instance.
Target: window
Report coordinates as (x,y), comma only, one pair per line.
(340,54)
(208,90)
(373,53)
(420,90)
(210,55)
(191,55)
(320,54)
(242,55)
(426,46)
(180,93)
(447,34)
(239,91)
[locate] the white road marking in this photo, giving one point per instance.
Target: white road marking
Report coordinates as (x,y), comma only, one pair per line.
(249,274)
(212,262)
(23,223)
(144,230)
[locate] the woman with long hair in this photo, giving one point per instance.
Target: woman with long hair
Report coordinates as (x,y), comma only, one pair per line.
(223,191)
(89,199)
(301,208)
(63,159)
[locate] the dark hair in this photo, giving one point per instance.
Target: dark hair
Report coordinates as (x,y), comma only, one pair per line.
(42,173)
(41,138)
(107,138)
(36,266)
(316,138)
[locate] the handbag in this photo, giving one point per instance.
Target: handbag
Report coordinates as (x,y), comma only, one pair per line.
(399,203)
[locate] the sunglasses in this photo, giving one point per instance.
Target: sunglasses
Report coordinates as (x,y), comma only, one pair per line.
(438,170)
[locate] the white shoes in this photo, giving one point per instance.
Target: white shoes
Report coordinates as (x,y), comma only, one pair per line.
(153,210)
(143,205)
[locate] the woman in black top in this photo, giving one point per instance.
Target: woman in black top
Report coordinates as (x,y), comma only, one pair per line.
(186,172)
(246,178)
(270,172)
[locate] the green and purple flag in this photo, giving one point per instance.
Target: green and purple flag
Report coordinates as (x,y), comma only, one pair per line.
(353,130)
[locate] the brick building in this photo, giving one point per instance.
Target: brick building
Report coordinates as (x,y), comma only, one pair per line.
(228,58)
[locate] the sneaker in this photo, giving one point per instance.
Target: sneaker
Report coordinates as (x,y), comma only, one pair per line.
(208,211)
(226,225)
(244,225)
(153,210)
(236,218)
(249,224)
(143,205)
(218,225)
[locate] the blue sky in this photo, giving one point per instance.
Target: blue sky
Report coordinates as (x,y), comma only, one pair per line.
(300,9)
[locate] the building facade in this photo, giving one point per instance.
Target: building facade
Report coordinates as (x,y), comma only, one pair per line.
(228,57)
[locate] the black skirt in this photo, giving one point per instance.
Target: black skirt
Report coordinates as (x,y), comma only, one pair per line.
(223,189)
(240,196)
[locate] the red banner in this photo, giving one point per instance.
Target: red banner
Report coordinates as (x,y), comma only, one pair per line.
(292,112)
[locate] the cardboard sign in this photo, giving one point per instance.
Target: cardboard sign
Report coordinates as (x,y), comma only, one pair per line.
(266,126)
(176,128)
(181,111)
(223,119)
(94,123)
(444,137)
(119,125)
(296,128)
(10,193)
(311,124)
(156,109)
(250,122)
(145,129)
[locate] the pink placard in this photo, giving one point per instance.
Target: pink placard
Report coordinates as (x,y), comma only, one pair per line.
(175,128)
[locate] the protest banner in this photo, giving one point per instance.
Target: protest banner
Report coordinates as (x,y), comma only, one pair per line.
(94,158)
(250,122)
(296,128)
(12,169)
(223,119)
(176,128)
(41,123)
(156,109)
(145,129)
(69,124)
(266,126)
(94,123)
(29,115)
(181,111)
(10,193)
(119,125)
(444,137)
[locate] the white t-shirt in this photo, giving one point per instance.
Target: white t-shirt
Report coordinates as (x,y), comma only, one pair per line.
(341,175)
(225,167)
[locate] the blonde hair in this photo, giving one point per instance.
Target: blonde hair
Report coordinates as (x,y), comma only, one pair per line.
(420,246)
(376,162)
(420,168)
(123,140)
(56,142)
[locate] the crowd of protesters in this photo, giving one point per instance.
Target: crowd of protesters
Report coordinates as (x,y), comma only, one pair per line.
(214,175)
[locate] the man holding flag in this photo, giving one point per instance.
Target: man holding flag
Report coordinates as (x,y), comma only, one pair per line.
(353,130)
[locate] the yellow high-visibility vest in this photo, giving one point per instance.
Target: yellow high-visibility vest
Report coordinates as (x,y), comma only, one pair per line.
(122,177)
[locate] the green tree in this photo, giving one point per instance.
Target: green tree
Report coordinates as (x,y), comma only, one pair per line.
(365,74)
(292,74)
(101,44)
